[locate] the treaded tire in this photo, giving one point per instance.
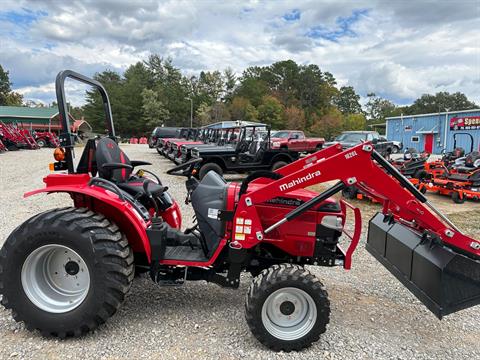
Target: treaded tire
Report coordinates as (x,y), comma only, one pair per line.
(41,143)
(286,276)
(350,192)
(456,198)
(278,164)
(207,167)
(101,245)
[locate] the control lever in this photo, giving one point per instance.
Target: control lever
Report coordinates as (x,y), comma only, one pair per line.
(150,196)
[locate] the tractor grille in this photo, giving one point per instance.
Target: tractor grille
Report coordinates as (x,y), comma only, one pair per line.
(195,153)
(183,149)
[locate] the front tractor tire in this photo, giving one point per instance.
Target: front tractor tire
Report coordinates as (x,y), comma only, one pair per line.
(65,271)
(41,143)
(287,308)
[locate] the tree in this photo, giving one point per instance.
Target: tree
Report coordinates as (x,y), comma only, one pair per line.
(295,118)
(252,89)
(94,111)
(230,81)
(440,102)
(154,110)
(173,89)
(204,114)
(220,112)
(242,109)
(378,108)
(347,101)
(354,122)
(7,96)
(328,125)
(271,112)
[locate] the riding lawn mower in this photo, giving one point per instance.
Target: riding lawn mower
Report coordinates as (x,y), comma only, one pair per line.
(66,271)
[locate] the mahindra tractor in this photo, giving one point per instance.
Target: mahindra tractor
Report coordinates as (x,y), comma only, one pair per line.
(66,271)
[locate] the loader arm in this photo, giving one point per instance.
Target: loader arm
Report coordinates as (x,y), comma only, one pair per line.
(356,166)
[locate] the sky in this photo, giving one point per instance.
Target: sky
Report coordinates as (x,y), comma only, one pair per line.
(398,49)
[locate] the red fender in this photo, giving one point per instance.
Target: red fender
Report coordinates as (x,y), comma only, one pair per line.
(102,201)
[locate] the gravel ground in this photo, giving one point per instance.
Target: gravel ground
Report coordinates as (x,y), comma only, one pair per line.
(373,316)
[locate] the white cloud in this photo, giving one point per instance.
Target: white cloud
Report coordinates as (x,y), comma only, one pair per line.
(397,49)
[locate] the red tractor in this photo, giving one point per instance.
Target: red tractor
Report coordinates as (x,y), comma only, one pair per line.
(46,138)
(66,271)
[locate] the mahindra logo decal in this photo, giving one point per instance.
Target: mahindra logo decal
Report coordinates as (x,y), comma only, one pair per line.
(300,180)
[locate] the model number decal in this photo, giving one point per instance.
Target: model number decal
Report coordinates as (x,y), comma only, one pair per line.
(350,154)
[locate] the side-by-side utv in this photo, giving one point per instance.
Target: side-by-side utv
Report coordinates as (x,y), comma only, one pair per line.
(66,271)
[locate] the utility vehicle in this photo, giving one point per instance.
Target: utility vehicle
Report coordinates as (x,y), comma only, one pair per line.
(252,152)
(161,132)
(66,271)
(214,138)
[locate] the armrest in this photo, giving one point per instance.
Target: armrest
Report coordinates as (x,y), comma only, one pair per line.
(114,166)
(139,162)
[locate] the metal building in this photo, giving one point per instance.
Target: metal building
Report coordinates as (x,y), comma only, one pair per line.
(434,132)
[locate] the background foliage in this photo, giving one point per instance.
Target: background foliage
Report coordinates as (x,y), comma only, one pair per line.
(285,95)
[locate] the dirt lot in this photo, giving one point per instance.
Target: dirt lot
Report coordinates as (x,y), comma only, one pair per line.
(373,316)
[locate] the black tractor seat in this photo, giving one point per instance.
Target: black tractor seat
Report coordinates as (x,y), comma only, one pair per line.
(135,187)
(114,165)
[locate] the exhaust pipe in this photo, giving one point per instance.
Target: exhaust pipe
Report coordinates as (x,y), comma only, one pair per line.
(444,280)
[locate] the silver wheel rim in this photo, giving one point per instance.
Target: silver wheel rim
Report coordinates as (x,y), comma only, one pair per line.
(289,314)
(55,278)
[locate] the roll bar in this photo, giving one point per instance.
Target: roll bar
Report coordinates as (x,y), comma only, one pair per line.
(65,137)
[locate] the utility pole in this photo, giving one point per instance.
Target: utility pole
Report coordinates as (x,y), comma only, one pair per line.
(191,111)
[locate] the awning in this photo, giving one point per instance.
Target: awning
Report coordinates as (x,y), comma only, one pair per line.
(433,130)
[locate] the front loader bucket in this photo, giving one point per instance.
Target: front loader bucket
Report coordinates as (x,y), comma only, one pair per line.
(442,279)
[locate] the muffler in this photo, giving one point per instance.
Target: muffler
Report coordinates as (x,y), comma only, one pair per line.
(444,280)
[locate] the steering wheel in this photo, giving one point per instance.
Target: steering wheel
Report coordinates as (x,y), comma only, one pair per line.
(188,165)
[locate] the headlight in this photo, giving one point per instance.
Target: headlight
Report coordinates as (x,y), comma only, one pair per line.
(275,144)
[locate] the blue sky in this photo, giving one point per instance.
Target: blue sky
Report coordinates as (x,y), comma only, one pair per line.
(397,49)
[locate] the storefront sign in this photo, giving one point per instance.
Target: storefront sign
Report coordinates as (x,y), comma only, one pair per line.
(465,123)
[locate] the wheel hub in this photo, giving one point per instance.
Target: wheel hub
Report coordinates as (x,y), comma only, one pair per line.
(55,278)
(289,313)
(72,268)
(287,308)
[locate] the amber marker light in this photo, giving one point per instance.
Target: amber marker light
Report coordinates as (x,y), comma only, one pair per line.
(59,154)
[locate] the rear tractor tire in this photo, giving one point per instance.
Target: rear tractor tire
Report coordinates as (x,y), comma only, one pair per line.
(208,167)
(287,308)
(65,271)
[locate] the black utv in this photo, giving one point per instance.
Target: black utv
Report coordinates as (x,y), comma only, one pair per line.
(252,152)
(214,138)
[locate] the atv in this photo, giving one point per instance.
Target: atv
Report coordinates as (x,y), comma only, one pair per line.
(66,271)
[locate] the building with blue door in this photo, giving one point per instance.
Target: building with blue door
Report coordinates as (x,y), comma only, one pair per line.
(434,132)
